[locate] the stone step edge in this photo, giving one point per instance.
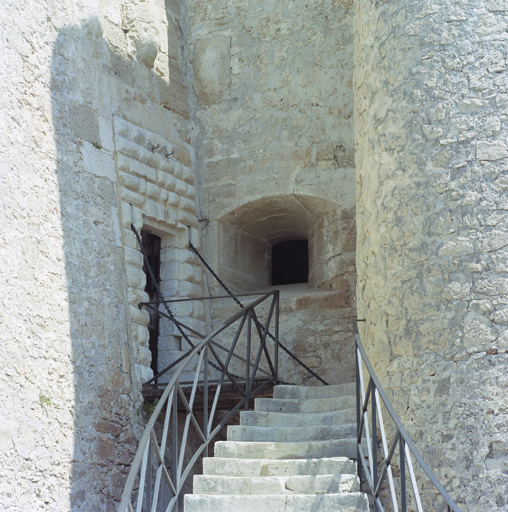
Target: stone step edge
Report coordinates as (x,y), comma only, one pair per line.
(313,392)
(345,447)
(212,465)
(253,433)
(276,485)
(308,405)
(353,501)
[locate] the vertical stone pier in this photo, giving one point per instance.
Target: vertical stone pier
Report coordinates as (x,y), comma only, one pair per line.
(431,107)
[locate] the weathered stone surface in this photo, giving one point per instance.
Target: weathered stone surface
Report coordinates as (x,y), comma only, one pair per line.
(275,152)
(74,352)
(430,250)
(211,64)
(328,483)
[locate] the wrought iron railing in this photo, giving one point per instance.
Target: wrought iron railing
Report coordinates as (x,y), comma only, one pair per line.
(391,483)
(177,434)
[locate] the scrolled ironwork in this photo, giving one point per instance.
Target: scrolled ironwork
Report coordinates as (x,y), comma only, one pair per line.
(164,459)
(375,474)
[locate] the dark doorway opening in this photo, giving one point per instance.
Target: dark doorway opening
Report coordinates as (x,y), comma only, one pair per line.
(152,246)
(290,262)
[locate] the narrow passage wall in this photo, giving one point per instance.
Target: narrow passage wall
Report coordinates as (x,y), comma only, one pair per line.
(431,100)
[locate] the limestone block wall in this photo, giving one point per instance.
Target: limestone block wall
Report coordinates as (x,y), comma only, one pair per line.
(273,105)
(95,132)
(272,84)
(156,193)
(313,323)
(431,134)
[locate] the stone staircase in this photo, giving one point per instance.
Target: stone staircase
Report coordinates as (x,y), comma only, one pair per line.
(293,453)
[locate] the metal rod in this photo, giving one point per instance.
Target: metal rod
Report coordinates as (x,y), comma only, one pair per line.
(358,416)
(262,336)
(387,467)
(386,464)
(374,444)
(176,479)
(413,479)
(276,345)
(209,298)
(403,495)
(247,366)
(142,479)
(205,400)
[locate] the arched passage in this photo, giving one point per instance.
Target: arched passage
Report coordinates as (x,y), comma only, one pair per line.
(245,237)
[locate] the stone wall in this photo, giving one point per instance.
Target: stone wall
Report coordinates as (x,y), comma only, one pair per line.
(272,86)
(95,123)
(314,324)
(430,104)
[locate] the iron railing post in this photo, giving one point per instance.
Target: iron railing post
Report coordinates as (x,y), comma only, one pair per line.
(176,476)
(205,398)
(402,449)
(374,443)
(358,414)
(276,347)
(247,366)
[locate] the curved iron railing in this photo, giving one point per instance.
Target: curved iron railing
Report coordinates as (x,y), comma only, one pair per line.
(163,460)
(379,471)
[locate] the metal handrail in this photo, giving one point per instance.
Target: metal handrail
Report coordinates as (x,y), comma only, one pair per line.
(155,306)
(375,474)
(151,453)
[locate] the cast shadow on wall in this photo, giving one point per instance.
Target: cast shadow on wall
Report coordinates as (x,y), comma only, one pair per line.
(91,81)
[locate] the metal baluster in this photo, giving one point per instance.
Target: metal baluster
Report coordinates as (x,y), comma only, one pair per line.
(142,479)
(247,366)
(358,414)
(176,477)
(403,496)
(276,344)
(374,444)
(149,476)
(205,400)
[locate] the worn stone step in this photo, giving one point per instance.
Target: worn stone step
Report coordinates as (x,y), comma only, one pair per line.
(343,502)
(309,405)
(289,450)
(282,419)
(270,467)
(306,392)
(302,484)
(290,434)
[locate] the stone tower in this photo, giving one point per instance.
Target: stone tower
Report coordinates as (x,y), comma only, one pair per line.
(431,99)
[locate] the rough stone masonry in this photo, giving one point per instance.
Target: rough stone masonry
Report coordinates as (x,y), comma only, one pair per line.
(431,90)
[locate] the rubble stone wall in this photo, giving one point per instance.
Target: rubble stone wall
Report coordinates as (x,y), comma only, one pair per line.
(431,104)
(95,133)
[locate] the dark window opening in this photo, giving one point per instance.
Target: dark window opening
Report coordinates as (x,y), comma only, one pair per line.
(152,246)
(290,262)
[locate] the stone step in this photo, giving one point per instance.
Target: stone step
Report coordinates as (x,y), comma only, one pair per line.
(281,419)
(289,450)
(290,434)
(344,502)
(270,467)
(309,405)
(306,392)
(303,484)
